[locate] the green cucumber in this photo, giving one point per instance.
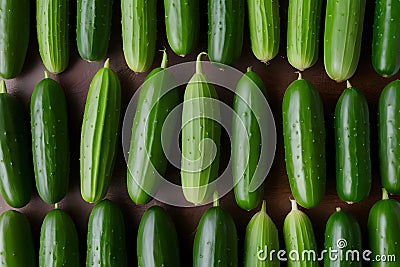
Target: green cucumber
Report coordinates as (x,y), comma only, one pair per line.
(147,160)
(264,24)
(182,22)
(99,134)
(342,234)
(59,243)
(342,39)
(246,138)
(16,242)
(200,161)
(384,231)
(15,159)
(93,28)
(50,146)
(389,134)
(157,240)
(14,40)
(304,20)
(261,238)
(353,160)
(216,241)
(386,38)
(299,236)
(225,30)
(106,245)
(139,33)
(52,21)
(304,140)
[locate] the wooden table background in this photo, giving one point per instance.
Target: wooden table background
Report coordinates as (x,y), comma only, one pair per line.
(277,75)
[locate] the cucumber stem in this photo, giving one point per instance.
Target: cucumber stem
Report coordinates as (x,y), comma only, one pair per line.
(107,63)
(46,75)
(294,204)
(264,206)
(216,200)
(199,70)
(300,75)
(3,88)
(348,84)
(164,60)
(249,68)
(385,194)
(338,209)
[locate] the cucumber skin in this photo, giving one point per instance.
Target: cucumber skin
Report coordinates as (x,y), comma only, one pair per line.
(50,144)
(304,20)
(59,243)
(106,245)
(302,108)
(139,33)
(264,23)
(157,240)
(14,40)
(182,21)
(52,21)
(225,33)
(216,241)
(342,38)
(16,242)
(352,138)
(386,38)
(93,28)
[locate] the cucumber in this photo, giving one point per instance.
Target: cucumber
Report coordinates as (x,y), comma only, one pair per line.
(106,236)
(59,243)
(99,134)
(342,234)
(14,40)
(246,138)
(225,30)
(261,238)
(182,22)
(353,160)
(50,146)
(93,28)
(157,240)
(16,243)
(15,159)
(384,231)
(52,21)
(139,33)
(304,142)
(200,157)
(386,38)
(304,20)
(342,39)
(216,241)
(145,166)
(389,134)
(264,24)
(299,236)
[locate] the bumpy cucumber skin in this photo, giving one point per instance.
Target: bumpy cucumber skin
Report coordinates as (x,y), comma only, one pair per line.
(157,240)
(14,40)
(386,38)
(106,245)
(342,39)
(304,20)
(304,140)
(139,33)
(93,28)
(352,137)
(182,22)
(264,23)
(99,134)
(52,21)
(246,139)
(389,136)
(50,144)
(59,243)
(16,244)
(225,30)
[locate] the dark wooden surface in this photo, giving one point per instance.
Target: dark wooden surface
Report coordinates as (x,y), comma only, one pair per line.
(277,75)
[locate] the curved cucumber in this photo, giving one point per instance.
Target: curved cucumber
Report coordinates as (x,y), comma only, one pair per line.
(99,134)
(304,140)
(342,40)
(353,161)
